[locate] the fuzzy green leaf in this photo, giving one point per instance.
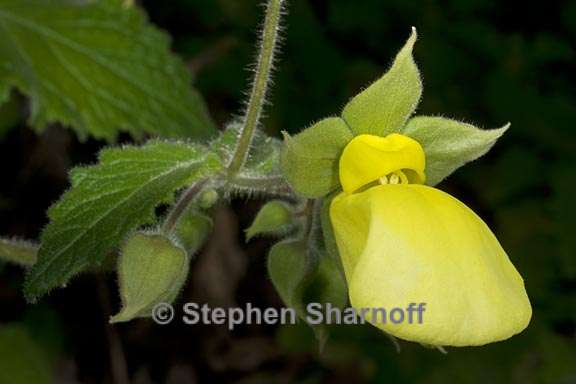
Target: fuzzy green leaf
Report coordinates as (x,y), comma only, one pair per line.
(274,217)
(264,158)
(151,270)
(310,159)
(18,251)
(449,144)
(261,172)
(264,155)
(109,200)
(384,106)
(99,67)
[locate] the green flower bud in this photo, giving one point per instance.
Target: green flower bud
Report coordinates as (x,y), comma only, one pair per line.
(208,198)
(288,269)
(301,279)
(151,270)
(327,284)
(193,229)
(275,217)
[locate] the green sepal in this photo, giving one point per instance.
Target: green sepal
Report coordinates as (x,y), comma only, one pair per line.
(449,144)
(151,270)
(384,106)
(310,159)
(274,218)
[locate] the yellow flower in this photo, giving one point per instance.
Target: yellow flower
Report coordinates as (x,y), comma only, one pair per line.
(402,242)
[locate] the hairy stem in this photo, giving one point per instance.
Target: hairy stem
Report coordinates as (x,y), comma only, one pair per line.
(20,252)
(181,206)
(270,185)
(259,87)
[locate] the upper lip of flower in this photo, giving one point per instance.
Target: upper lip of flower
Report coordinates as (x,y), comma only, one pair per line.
(368,158)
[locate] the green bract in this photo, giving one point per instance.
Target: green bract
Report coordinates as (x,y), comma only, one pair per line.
(310,159)
(109,200)
(151,270)
(99,67)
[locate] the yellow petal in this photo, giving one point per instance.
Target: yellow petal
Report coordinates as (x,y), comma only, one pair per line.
(403,244)
(366,158)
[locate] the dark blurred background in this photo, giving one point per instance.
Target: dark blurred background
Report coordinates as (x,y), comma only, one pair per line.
(486,62)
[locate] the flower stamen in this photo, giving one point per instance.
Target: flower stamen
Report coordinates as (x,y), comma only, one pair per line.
(396,177)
